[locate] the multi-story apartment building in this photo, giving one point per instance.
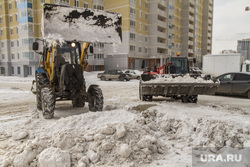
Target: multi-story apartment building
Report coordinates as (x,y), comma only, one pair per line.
(243,48)
(152,30)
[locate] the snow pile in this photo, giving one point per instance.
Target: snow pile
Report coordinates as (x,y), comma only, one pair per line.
(105,139)
(80,24)
(184,79)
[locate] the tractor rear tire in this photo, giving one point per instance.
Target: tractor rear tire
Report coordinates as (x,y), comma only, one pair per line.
(48,102)
(95,99)
(79,102)
(41,81)
(189,99)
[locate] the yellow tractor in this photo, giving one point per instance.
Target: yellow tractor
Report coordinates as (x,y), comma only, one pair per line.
(59,75)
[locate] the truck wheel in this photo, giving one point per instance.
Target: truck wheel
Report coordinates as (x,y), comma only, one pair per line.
(48,102)
(147,98)
(95,99)
(121,78)
(189,99)
(79,102)
(138,77)
(103,78)
(248,94)
(41,81)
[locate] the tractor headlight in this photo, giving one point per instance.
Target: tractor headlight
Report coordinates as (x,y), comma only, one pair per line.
(73,44)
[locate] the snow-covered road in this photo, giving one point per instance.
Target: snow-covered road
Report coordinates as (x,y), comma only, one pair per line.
(128,132)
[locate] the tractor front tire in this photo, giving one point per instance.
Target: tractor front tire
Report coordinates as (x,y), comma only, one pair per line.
(95,99)
(41,81)
(48,102)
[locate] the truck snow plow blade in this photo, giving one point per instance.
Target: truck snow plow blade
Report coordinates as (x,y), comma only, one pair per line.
(176,89)
(81,24)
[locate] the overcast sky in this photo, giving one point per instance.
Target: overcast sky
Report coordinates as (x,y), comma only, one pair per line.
(230,23)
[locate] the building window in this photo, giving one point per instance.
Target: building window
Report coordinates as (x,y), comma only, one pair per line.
(12,70)
(76,3)
(146,39)
(140,26)
(42,1)
(10,6)
(3,56)
(132,11)
(132,1)
(15,3)
(146,4)
(86,5)
(1,32)
(12,43)
(30,71)
(140,2)
(146,27)
(17,43)
(2,70)
(12,56)
(2,44)
(146,16)
(11,19)
(132,36)
(146,50)
(18,70)
(11,31)
(140,50)
(140,38)
(18,56)
(132,23)
(140,14)
(132,48)
(17,30)
(16,17)
(0,7)
(1,20)
(99,7)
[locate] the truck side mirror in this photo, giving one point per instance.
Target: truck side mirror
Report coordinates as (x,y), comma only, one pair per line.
(194,60)
(35,46)
(91,49)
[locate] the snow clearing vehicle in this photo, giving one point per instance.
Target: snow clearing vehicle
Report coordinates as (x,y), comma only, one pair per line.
(172,80)
(67,35)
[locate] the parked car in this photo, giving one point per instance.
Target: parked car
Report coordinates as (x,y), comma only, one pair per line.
(195,70)
(235,83)
(135,74)
(113,74)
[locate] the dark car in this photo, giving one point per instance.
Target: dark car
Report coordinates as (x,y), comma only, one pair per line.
(234,84)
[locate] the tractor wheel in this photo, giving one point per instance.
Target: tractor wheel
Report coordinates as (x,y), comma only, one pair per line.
(41,81)
(248,94)
(79,102)
(95,99)
(189,99)
(48,102)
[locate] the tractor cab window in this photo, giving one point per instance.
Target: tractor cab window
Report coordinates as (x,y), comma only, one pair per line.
(70,54)
(181,65)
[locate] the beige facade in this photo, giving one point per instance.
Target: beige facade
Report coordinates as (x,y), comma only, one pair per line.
(152,30)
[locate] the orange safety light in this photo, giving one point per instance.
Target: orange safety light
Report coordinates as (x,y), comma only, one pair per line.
(178,54)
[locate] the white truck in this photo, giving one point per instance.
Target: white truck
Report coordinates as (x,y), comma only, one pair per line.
(216,65)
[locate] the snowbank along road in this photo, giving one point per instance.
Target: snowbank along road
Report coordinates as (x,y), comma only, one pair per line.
(128,132)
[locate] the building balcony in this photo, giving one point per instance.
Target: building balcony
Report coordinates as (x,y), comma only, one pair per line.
(209,28)
(192,2)
(190,51)
(161,34)
(209,21)
(209,35)
(190,26)
(208,47)
(161,45)
(163,2)
(191,10)
(210,8)
(210,15)
(190,34)
(191,43)
(161,12)
(209,41)
(211,2)
(162,23)
(191,18)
